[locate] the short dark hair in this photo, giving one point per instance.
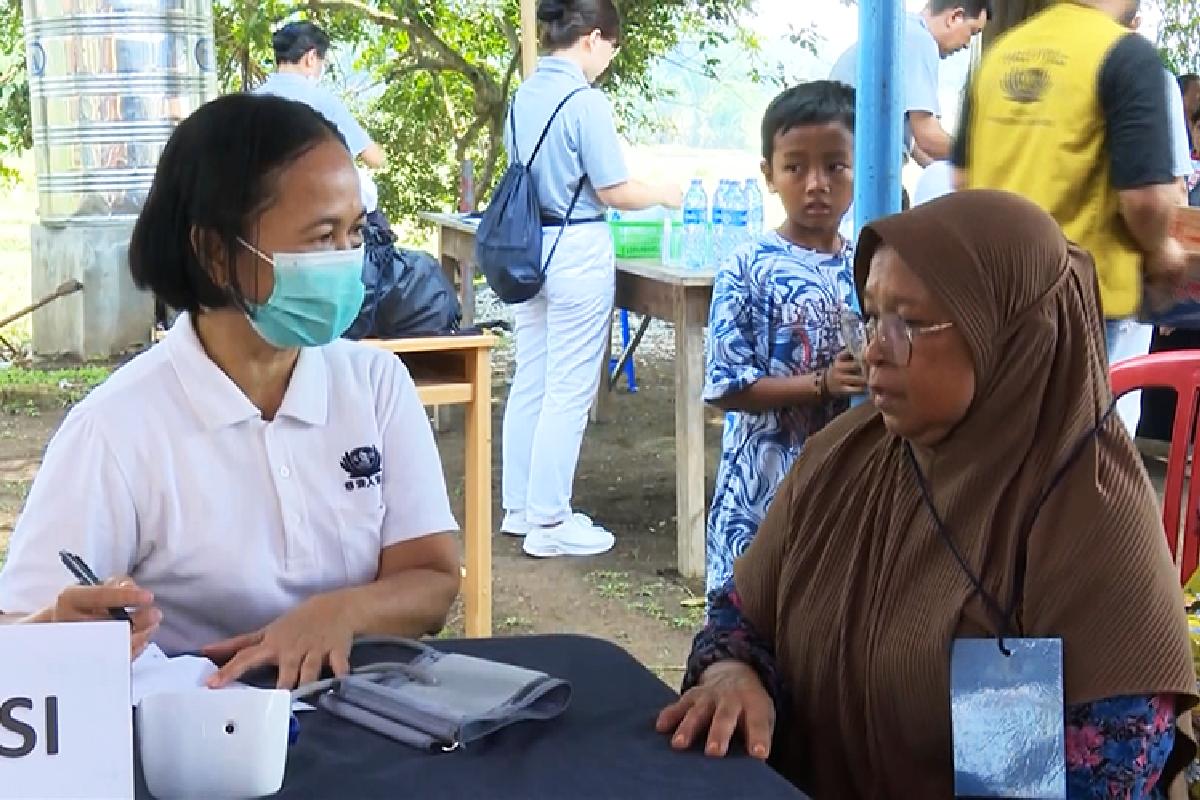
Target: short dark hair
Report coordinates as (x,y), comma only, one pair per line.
(812,103)
(564,22)
(216,176)
(971,8)
(293,41)
(1187,81)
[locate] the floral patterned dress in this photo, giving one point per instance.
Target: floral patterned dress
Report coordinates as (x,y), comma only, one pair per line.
(776,311)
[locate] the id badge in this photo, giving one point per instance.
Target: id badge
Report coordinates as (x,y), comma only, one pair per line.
(1007,717)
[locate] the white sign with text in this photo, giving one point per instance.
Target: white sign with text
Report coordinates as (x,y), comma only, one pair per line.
(66,730)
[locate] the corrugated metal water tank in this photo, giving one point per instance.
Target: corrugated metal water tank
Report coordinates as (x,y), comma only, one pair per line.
(108,81)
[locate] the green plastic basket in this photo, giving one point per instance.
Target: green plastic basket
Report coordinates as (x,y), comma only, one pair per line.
(636,239)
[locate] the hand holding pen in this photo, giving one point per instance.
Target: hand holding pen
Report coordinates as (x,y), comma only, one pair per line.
(113,599)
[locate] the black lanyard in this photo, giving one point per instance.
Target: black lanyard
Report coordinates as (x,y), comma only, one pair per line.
(1004,615)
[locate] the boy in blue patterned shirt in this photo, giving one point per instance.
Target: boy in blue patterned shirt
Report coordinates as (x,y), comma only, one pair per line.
(776,362)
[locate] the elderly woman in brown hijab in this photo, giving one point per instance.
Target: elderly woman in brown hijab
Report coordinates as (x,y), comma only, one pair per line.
(962,588)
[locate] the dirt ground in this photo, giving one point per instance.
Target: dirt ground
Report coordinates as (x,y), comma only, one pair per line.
(632,595)
(626,481)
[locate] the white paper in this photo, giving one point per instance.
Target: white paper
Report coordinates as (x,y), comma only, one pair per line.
(154,672)
(84,666)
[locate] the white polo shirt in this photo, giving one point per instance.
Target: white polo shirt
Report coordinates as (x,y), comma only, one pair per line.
(169,474)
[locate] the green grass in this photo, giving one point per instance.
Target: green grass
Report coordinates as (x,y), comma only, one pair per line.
(646,598)
(88,375)
(31,391)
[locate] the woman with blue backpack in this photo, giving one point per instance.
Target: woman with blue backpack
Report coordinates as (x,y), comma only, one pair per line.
(564,150)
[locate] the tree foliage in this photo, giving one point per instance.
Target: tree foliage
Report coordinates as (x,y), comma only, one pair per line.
(438,74)
(1179,35)
(15,134)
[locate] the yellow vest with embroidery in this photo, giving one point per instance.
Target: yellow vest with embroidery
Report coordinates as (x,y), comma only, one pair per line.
(1037,129)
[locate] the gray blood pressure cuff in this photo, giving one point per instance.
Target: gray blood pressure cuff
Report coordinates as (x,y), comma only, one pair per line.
(439,701)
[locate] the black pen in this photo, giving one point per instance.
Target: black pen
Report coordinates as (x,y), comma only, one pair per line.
(83,573)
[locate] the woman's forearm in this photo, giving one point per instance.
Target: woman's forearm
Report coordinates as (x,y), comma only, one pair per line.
(632,195)
(729,636)
(411,603)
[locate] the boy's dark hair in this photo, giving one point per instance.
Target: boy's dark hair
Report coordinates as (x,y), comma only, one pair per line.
(1187,81)
(971,8)
(812,103)
(293,41)
(215,178)
(563,22)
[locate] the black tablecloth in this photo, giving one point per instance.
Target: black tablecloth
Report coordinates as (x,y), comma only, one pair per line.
(603,747)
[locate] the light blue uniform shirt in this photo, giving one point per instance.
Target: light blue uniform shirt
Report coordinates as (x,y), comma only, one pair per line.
(922,58)
(1181,150)
(314,95)
(582,140)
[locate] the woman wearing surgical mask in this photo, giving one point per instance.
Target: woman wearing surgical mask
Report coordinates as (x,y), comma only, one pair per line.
(254,487)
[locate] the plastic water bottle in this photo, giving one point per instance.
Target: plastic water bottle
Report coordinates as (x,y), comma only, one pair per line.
(718,222)
(671,249)
(736,217)
(754,207)
(695,227)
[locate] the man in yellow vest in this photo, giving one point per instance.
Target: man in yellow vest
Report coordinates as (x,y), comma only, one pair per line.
(1068,110)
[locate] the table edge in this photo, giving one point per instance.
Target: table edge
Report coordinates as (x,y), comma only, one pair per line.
(652,269)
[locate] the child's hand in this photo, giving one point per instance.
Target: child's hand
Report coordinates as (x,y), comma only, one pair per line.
(845,378)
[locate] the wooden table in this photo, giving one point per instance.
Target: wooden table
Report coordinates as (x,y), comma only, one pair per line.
(456,250)
(457,370)
(681,297)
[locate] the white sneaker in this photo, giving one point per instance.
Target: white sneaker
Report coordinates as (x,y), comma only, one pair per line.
(575,536)
(515,523)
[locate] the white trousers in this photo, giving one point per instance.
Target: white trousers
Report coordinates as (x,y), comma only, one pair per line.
(1128,338)
(562,340)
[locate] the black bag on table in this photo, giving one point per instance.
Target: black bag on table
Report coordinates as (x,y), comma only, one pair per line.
(406,292)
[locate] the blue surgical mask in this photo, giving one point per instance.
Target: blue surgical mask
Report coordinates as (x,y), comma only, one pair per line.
(317,296)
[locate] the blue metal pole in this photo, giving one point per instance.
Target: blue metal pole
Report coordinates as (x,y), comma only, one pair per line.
(879,113)
(879,134)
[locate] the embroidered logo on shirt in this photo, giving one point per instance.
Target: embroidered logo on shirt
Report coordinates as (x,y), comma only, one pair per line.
(1026,84)
(363,467)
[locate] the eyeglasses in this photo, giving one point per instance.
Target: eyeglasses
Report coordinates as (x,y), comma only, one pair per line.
(894,334)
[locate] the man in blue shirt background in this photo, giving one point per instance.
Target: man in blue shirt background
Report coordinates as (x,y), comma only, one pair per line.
(938,31)
(300,51)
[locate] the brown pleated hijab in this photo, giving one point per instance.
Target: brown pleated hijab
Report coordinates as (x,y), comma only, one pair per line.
(861,597)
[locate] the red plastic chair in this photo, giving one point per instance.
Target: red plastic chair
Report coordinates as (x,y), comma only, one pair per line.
(1179,371)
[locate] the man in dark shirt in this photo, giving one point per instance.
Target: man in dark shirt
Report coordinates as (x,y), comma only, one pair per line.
(1099,162)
